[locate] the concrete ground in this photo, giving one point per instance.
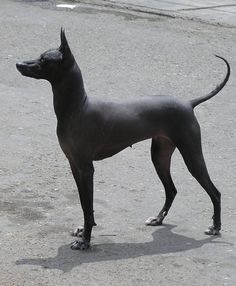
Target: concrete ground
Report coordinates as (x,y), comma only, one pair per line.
(210,11)
(122,54)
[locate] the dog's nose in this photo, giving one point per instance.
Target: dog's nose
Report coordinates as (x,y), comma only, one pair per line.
(20,64)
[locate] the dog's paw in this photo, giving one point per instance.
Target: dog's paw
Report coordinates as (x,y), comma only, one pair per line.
(212,230)
(154,221)
(78,232)
(80,245)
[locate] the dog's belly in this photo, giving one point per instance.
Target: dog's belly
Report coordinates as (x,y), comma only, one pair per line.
(118,142)
(106,153)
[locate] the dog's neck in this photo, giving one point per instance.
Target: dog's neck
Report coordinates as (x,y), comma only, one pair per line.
(68,93)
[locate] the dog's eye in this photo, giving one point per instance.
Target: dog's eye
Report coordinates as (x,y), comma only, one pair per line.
(42,61)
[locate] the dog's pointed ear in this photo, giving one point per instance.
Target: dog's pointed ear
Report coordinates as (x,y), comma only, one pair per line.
(64,47)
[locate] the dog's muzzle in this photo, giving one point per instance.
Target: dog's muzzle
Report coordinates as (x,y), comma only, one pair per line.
(21,67)
(30,68)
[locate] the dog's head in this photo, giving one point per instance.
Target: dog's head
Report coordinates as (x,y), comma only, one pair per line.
(51,64)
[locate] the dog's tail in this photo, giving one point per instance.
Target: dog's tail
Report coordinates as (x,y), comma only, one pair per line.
(199,100)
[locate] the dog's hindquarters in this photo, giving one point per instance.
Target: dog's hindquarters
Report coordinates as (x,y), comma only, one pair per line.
(188,143)
(191,150)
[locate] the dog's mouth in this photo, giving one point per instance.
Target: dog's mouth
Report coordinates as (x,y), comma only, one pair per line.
(28,68)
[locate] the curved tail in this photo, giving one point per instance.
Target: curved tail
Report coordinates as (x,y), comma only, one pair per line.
(197,101)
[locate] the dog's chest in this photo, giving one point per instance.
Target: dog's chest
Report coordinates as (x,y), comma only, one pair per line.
(64,138)
(64,146)
(70,141)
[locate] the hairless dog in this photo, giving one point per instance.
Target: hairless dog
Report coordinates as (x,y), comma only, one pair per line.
(90,130)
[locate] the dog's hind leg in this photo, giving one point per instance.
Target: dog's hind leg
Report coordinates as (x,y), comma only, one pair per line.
(191,151)
(161,152)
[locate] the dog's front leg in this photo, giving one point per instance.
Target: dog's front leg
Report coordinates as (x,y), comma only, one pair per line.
(84,181)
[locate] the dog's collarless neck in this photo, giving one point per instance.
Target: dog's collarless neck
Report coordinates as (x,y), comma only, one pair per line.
(69,94)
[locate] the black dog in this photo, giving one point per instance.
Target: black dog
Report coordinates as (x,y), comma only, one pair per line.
(90,130)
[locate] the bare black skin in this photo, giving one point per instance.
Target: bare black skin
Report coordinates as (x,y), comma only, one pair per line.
(90,130)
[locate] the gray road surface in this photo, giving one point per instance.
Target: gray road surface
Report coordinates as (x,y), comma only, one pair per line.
(209,11)
(122,56)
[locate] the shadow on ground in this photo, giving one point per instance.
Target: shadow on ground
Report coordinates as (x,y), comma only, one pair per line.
(164,242)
